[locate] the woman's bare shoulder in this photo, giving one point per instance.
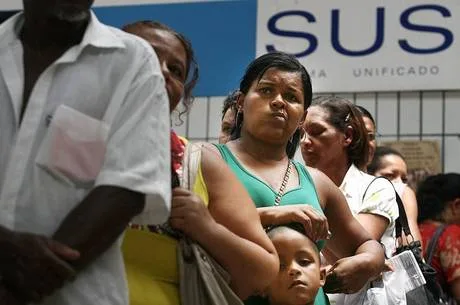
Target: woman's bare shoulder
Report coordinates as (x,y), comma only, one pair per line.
(213,165)
(320,179)
(323,185)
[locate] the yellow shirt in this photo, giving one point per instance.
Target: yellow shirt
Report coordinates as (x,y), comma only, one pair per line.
(151,261)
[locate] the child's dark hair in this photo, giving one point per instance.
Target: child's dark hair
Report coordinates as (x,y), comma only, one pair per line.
(296,226)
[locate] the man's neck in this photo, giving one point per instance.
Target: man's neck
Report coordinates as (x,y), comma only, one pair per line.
(41,33)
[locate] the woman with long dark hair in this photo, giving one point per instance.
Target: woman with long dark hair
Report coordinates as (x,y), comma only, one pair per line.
(275,92)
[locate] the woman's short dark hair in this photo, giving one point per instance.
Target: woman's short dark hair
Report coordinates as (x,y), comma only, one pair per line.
(342,113)
(230,102)
(192,72)
(366,113)
(434,193)
(380,153)
(255,71)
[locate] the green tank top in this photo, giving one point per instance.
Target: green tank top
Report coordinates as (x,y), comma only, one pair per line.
(264,196)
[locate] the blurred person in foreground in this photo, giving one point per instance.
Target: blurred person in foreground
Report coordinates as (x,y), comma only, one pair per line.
(83,107)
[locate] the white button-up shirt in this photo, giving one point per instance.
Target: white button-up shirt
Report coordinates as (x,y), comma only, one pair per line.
(108,69)
(378,199)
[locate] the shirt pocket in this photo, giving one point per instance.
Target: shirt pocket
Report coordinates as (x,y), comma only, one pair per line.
(73,148)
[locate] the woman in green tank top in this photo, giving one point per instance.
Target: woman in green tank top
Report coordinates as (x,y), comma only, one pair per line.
(274,95)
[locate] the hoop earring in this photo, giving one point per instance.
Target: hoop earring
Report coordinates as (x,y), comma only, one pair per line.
(297,133)
(239,119)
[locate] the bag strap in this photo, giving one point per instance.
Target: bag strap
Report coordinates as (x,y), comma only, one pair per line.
(401,223)
(190,165)
(432,245)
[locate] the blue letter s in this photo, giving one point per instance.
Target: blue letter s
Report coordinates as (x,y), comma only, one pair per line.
(313,42)
(377,42)
(448,36)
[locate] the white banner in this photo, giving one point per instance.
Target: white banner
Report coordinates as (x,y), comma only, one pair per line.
(364,45)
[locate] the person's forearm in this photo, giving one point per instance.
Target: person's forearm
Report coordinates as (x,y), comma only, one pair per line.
(251,267)
(413,226)
(373,257)
(267,216)
(96,223)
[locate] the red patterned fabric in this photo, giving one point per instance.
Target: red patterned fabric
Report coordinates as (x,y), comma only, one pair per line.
(177,155)
(446,259)
(177,152)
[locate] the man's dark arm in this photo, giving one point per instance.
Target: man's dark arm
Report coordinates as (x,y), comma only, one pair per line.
(95,224)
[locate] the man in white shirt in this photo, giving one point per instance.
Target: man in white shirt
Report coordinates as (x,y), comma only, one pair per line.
(84,148)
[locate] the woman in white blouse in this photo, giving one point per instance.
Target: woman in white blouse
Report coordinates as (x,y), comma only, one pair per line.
(389,163)
(336,142)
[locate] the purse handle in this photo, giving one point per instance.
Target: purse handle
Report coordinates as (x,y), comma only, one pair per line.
(432,245)
(401,223)
(190,165)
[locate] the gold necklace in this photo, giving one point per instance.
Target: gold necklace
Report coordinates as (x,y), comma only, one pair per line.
(283,184)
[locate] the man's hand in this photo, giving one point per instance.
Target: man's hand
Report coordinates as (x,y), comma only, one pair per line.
(6,298)
(34,266)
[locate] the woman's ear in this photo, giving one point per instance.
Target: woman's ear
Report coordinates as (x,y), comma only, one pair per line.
(348,135)
(240,101)
(322,275)
(302,120)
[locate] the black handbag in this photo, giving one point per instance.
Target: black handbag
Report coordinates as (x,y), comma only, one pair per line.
(430,293)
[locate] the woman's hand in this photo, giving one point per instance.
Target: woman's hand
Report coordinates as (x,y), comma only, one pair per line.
(189,213)
(348,275)
(314,222)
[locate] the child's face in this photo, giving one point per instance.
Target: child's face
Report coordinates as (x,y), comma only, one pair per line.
(300,276)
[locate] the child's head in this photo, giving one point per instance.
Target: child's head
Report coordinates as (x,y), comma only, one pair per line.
(300,275)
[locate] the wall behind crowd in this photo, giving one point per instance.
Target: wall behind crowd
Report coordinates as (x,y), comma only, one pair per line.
(398,60)
(421,115)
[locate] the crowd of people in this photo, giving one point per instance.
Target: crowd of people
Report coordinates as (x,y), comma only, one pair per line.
(92,190)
